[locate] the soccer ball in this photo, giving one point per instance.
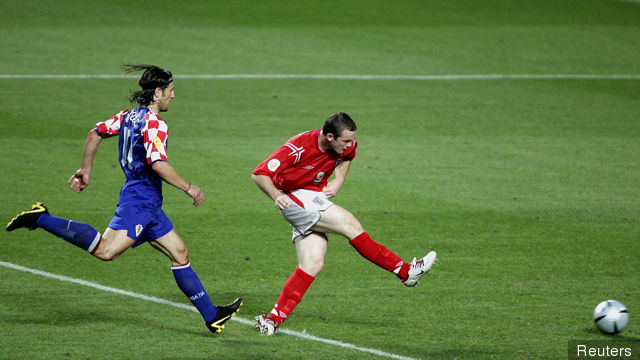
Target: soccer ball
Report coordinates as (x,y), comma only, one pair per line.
(611,316)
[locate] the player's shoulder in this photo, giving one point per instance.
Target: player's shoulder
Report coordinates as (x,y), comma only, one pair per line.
(304,138)
(155,122)
(120,115)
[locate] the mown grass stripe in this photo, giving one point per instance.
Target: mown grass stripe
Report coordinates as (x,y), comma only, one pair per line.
(343,77)
(189,307)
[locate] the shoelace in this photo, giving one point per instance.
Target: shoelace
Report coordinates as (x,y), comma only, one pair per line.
(271,321)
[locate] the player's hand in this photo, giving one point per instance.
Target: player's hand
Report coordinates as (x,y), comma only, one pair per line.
(196,194)
(331,189)
(79,180)
(282,202)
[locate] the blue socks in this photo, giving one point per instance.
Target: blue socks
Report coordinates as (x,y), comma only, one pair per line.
(191,286)
(86,237)
(79,234)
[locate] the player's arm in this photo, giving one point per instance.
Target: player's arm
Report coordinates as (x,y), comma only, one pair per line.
(80,179)
(340,174)
(272,166)
(267,186)
(104,129)
(155,143)
(171,176)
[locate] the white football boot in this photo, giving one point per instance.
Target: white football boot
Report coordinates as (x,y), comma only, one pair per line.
(266,325)
(419,268)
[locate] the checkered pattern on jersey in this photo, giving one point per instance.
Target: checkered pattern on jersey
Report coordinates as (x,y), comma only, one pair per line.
(143,139)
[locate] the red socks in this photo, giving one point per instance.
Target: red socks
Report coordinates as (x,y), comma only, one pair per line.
(380,255)
(299,282)
(291,295)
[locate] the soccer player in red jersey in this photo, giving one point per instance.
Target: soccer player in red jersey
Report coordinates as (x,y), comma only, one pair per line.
(296,177)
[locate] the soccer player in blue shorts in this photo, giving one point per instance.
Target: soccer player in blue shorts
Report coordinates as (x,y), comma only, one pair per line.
(139,217)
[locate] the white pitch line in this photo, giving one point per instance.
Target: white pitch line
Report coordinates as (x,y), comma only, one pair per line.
(189,307)
(343,77)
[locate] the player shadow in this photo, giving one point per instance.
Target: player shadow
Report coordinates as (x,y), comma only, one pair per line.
(81,317)
(67,312)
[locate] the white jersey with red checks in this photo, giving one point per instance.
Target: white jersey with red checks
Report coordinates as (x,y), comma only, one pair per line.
(300,164)
(143,139)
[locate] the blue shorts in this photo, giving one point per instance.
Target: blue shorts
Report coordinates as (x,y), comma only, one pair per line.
(142,223)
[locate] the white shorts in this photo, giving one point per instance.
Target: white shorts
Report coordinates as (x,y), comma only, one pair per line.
(304,211)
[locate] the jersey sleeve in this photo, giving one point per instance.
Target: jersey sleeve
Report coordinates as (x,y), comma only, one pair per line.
(284,157)
(155,141)
(111,127)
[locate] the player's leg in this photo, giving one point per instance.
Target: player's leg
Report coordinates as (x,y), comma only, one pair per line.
(311,250)
(112,244)
(338,220)
(188,281)
(79,234)
(173,247)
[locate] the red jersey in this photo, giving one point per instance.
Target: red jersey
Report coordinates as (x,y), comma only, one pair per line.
(300,164)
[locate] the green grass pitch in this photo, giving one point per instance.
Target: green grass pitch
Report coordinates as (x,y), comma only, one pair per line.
(527,188)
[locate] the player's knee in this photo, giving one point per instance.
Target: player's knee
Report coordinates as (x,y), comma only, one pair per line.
(106,254)
(181,255)
(312,268)
(353,228)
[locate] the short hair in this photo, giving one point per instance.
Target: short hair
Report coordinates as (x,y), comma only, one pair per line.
(337,123)
(152,78)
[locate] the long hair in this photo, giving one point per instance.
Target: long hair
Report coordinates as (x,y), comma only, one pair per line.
(152,78)
(338,122)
